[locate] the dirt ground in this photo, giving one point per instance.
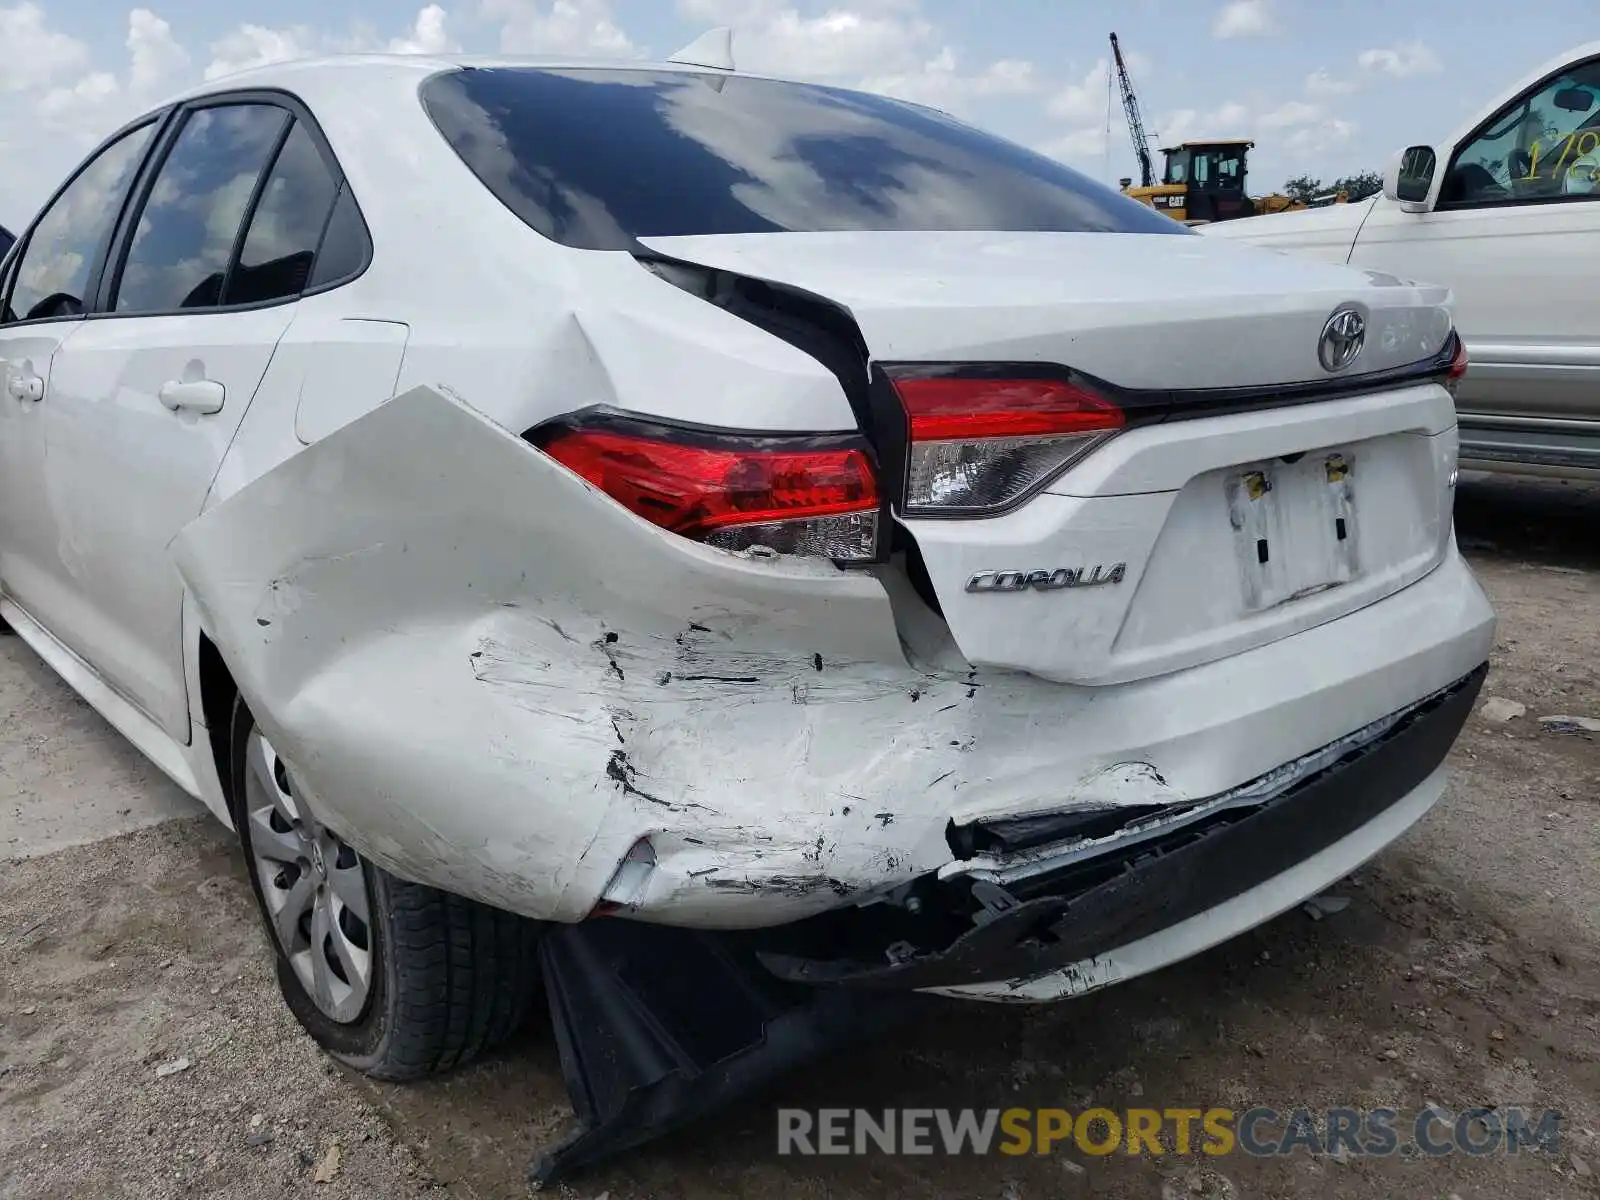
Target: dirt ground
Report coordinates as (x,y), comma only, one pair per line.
(1465,971)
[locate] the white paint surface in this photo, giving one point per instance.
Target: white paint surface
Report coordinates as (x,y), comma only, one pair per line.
(1520,273)
(492,678)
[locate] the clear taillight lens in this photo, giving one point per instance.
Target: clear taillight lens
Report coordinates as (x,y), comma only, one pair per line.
(980,445)
(795,494)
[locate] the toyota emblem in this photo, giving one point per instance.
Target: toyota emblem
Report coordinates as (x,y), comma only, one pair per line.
(1342,339)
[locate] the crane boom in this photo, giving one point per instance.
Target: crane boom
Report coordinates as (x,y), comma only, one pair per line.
(1130,107)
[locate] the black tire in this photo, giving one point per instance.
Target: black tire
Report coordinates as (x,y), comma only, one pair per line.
(450,978)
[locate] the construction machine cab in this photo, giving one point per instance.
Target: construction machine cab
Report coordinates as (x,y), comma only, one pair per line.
(1212,175)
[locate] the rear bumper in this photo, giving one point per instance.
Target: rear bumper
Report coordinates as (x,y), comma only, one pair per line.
(1065,930)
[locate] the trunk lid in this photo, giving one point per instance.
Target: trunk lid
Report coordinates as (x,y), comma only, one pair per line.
(1183,541)
(1141,312)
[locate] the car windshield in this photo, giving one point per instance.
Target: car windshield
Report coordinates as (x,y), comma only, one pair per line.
(598,159)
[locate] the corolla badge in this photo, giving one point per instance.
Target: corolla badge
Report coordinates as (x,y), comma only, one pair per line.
(1057,580)
(1342,339)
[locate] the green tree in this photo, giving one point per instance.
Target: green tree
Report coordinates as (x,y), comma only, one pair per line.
(1303,188)
(1358,186)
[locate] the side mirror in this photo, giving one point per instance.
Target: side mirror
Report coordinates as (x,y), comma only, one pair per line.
(1409,178)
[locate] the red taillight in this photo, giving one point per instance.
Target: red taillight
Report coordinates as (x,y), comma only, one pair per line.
(813,496)
(1457,368)
(981,444)
(963,409)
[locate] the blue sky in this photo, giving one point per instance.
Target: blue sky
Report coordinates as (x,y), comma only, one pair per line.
(1323,88)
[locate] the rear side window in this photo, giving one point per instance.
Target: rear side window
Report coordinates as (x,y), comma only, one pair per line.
(186,232)
(60,255)
(345,244)
(599,158)
(281,244)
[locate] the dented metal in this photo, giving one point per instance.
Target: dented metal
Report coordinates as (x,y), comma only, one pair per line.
(472,695)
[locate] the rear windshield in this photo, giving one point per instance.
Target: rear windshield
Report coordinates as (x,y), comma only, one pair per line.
(599,158)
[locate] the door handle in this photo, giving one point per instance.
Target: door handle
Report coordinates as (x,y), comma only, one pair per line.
(25,387)
(201,395)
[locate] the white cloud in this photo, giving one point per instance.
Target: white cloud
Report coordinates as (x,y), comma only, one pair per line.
(940,83)
(1403,60)
(1294,113)
(575,27)
(1319,138)
(869,39)
(1324,85)
(885,46)
(256,46)
(1085,99)
(62,99)
(1079,146)
(34,54)
(1227,120)
(1245,18)
(100,101)
(427,35)
(88,95)
(155,58)
(52,122)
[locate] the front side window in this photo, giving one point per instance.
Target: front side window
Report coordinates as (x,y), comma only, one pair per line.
(281,244)
(186,232)
(1544,145)
(1178,167)
(598,159)
(53,274)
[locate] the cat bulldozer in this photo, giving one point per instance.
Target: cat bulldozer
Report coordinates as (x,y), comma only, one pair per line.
(1205,181)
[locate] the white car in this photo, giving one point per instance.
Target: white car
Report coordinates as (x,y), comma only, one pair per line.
(1506,212)
(746,545)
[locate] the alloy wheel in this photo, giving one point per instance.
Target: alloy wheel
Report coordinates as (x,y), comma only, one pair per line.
(314,888)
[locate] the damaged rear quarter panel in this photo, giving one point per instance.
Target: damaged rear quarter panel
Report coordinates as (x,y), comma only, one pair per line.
(491,678)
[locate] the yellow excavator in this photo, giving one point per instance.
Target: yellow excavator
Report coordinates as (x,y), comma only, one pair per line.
(1201,181)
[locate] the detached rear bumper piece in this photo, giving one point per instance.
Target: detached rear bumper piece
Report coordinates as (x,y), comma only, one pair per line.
(1050,918)
(659,1025)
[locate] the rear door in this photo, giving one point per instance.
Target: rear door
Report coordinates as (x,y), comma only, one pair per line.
(48,287)
(146,400)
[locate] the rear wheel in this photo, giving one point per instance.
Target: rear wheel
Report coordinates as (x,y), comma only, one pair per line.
(392,978)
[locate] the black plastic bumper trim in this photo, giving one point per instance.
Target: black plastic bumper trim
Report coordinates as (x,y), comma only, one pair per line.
(1156,891)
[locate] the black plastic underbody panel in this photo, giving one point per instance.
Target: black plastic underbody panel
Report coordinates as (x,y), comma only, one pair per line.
(657,1026)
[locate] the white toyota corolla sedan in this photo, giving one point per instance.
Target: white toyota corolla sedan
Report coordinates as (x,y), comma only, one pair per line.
(736,549)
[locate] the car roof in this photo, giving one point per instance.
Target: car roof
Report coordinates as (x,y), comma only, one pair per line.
(330,68)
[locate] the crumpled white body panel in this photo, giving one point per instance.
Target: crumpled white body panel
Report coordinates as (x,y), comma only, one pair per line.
(491,678)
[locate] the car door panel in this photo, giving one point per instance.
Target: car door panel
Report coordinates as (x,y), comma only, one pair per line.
(49,283)
(126,470)
(27,526)
(1514,230)
(1526,304)
(147,401)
